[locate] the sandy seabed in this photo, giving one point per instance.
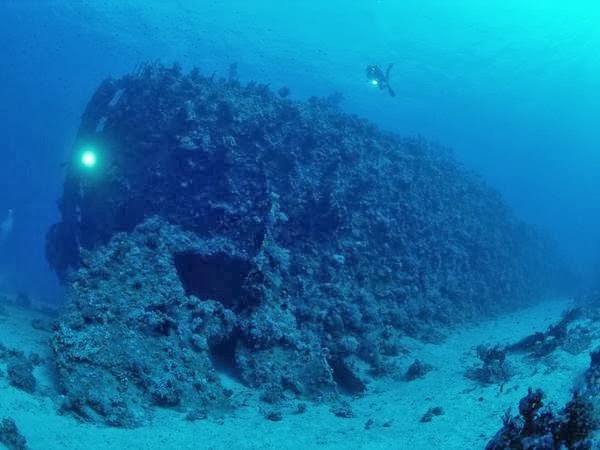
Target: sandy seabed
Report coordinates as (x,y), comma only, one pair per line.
(388,416)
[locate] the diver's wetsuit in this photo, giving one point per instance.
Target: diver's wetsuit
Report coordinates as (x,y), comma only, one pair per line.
(374,73)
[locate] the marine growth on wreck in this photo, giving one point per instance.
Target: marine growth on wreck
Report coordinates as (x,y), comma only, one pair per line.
(209,227)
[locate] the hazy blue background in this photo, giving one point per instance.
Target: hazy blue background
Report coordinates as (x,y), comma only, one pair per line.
(512,86)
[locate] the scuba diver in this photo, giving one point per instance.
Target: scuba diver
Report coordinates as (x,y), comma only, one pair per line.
(6,226)
(377,78)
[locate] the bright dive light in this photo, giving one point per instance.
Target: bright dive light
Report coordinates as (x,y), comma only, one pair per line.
(374,82)
(89,159)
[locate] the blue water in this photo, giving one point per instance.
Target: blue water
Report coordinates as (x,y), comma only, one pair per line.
(513,87)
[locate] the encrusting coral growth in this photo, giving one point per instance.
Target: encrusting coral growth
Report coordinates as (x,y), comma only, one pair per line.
(285,242)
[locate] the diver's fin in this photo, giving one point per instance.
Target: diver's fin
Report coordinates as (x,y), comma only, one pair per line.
(387,71)
(387,79)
